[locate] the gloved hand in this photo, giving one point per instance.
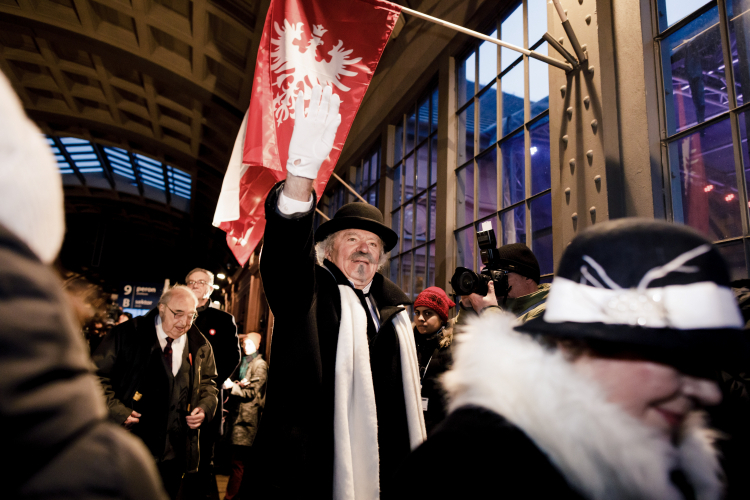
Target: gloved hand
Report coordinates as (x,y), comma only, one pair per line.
(313,135)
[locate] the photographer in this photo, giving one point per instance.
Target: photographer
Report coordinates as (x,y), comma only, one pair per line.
(523,296)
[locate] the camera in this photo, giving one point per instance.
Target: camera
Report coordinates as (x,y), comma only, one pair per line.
(465,281)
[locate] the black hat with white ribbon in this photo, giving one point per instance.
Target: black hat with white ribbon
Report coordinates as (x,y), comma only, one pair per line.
(645,285)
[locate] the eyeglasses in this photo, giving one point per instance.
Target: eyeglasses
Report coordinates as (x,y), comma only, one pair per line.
(200,282)
(183,315)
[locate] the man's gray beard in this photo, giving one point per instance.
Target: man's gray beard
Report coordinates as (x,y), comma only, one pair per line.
(360,270)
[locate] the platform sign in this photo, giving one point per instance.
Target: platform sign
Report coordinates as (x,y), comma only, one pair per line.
(140,296)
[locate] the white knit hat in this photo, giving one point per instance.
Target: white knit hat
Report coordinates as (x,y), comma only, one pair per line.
(31,194)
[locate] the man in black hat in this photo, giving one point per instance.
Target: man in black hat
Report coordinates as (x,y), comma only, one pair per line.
(525,297)
(601,396)
(343,407)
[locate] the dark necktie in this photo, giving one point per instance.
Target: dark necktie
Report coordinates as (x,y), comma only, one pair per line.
(168,352)
(371,331)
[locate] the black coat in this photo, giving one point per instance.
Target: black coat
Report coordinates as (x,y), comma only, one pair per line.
(516,469)
(295,437)
(220,330)
(434,354)
(55,435)
(125,363)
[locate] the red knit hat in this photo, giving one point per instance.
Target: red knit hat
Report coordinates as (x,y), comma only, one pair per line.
(436,299)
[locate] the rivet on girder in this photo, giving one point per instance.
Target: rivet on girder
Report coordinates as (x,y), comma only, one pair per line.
(580,2)
(586,101)
(592,210)
(588,19)
(594,125)
(560,40)
(590,155)
(572,164)
(565,139)
(570,113)
(598,179)
(584,47)
(562,90)
(574,216)
(567,195)
(591,70)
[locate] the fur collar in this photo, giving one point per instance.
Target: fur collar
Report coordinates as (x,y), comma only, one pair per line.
(446,334)
(602,451)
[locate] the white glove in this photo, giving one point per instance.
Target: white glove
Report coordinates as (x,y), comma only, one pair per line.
(228,384)
(313,135)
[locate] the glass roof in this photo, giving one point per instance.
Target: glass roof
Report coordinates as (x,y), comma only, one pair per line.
(82,162)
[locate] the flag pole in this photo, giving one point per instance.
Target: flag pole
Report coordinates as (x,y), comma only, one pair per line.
(461,29)
(347,186)
(322,214)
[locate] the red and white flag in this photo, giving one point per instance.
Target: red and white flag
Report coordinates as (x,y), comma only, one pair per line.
(304,43)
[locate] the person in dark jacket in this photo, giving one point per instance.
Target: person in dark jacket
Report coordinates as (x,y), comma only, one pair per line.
(433,334)
(57,442)
(343,406)
(601,396)
(247,397)
(220,330)
(158,376)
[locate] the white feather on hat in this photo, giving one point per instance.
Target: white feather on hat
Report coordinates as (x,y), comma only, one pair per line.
(31,194)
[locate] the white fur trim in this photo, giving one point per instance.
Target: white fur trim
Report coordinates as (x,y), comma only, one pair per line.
(603,452)
(410,378)
(355,427)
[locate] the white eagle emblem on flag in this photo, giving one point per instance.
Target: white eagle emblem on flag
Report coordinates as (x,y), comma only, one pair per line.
(293,66)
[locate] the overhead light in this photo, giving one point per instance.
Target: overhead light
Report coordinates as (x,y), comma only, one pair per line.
(708,188)
(533,149)
(216,287)
(221,276)
(217,303)
(729,197)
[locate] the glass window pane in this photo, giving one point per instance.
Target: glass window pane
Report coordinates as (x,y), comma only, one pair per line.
(396,226)
(375,166)
(674,10)
(744,119)
(397,179)
(514,225)
(398,147)
(408,227)
(409,177)
(465,196)
(734,253)
(465,247)
(541,231)
(466,79)
(739,31)
(420,270)
(511,31)
(704,185)
(512,86)
(423,125)
(514,176)
(488,118)
(411,123)
(434,108)
(433,160)
(487,185)
(406,274)
(487,61)
(537,20)
(394,271)
(431,265)
(693,67)
(539,83)
(423,166)
(421,220)
(540,157)
(373,194)
(466,135)
(433,200)
(478,227)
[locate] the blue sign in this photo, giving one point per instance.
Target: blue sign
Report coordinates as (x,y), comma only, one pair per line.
(141,296)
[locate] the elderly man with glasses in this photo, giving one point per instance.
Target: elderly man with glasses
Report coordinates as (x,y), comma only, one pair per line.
(159,380)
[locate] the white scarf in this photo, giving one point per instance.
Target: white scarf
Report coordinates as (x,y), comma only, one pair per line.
(356,472)
(602,451)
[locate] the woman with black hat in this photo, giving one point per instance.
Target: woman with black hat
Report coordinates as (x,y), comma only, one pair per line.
(599,398)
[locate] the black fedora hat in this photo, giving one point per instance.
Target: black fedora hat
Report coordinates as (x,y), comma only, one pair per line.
(358,215)
(646,285)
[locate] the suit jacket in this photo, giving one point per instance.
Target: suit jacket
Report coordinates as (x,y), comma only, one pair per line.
(124,363)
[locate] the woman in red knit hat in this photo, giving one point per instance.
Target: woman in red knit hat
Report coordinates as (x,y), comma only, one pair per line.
(433,334)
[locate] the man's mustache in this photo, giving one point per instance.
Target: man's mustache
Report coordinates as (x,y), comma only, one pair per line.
(359,255)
